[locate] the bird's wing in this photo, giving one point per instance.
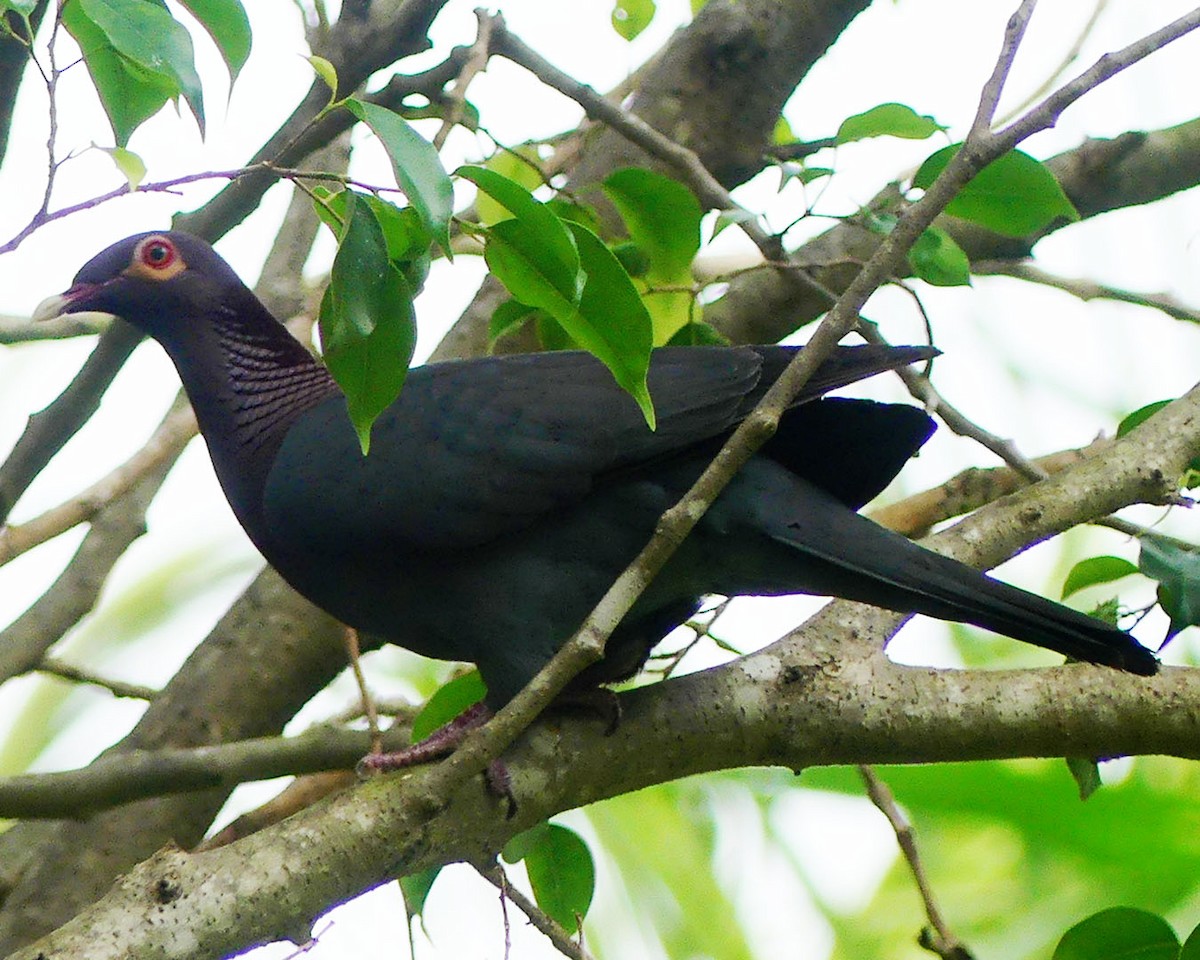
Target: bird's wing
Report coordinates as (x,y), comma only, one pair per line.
(475,449)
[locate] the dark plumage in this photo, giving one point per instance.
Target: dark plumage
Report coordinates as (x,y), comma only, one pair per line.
(503,495)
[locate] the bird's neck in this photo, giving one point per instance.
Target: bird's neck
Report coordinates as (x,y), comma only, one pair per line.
(271,379)
(249,380)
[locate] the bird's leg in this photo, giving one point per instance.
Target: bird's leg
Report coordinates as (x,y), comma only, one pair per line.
(438,744)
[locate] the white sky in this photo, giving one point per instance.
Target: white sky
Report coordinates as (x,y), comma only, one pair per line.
(930,54)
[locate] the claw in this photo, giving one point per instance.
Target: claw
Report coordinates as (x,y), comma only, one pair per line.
(440,743)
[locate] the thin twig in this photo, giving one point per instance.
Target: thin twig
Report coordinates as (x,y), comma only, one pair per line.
(118,688)
(1069,58)
(476,63)
(684,162)
(921,387)
(1014,33)
(1088,289)
(367,700)
(1046,114)
(15,329)
(170,186)
(940,939)
(52,97)
(554,931)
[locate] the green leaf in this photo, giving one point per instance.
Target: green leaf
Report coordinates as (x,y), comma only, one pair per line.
(575,212)
(130,95)
(533,249)
(519,166)
(789,170)
(368,330)
(550,333)
(1014,196)
(612,322)
(1191,946)
(938,260)
(1095,570)
(1177,571)
(407,240)
(415,890)
(727,218)
(510,316)
(662,217)
(132,167)
(631,17)
(888,120)
(1107,610)
(450,700)
(1119,933)
(783,132)
(1086,774)
(419,172)
(145,34)
(698,334)
(565,270)
(532,270)
(560,869)
(1140,416)
(227,24)
(326,71)
(632,257)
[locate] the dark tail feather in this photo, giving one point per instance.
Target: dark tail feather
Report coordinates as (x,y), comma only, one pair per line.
(846,555)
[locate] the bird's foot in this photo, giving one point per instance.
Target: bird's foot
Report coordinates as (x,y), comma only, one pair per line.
(440,743)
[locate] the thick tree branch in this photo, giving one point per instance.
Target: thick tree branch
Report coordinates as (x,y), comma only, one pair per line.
(129,775)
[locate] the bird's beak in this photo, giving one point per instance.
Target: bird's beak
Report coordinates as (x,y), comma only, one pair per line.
(53,307)
(50,308)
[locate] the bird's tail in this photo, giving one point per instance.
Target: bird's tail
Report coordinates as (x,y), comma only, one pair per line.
(845,555)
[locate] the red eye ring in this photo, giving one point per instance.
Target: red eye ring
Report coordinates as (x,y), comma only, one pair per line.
(157,253)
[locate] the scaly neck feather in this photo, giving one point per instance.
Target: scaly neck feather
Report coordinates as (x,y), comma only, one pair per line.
(249,381)
(272,379)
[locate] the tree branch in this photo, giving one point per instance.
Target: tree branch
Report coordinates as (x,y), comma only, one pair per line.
(128,775)
(1088,290)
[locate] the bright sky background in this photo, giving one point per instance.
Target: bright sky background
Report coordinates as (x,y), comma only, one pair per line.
(930,54)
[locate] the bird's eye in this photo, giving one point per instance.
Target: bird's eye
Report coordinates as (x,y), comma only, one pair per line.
(158,253)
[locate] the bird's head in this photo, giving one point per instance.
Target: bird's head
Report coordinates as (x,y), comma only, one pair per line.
(150,280)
